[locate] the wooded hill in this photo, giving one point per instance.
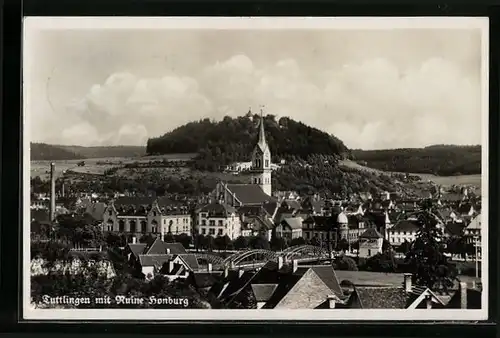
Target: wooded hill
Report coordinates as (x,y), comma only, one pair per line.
(442,160)
(233,139)
(50,152)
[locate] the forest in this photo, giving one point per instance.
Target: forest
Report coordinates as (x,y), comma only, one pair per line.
(441,160)
(51,152)
(47,152)
(233,139)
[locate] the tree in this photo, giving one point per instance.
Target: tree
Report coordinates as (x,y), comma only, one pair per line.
(259,242)
(297,241)
(148,238)
(386,246)
(199,242)
(381,262)
(209,242)
(345,263)
(404,247)
(278,243)
(426,258)
(169,238)
(343,245)
(241,243)
(222,242)
(184,239)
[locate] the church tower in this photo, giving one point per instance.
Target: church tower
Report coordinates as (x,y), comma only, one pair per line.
(261,161)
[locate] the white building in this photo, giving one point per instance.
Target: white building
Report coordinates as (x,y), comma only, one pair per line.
(218,219)
(405,230)
(135,215)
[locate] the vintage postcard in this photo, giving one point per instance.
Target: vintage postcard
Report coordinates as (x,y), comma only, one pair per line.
(287,168)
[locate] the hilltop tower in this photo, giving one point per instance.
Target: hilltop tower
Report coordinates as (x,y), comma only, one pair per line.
(261,161)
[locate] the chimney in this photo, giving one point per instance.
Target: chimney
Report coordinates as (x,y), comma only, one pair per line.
(463,295)
(240,273)
(295,265)
(52,191)
(280,262)
(134,240)
(407,282)
(209,267)
(331,302)
(167,251)
(170,266)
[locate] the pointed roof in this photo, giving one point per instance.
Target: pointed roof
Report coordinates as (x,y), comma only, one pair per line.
(262,144)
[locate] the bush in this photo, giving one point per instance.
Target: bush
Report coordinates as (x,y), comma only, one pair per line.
(345,263)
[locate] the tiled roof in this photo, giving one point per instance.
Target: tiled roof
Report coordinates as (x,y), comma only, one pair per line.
(371,233)
(328,276)
(160,247)
(135,201)
(203,279)
(262,222)
(405,225)
(263,292)
(154,260)
(322,222)
(270,207)
(96,210)
(191,261)
(249,193)
(293,222)
(218,208)
(475,223)
(291,204)
(379,298)
(464,208)
(454,229)
(137,248)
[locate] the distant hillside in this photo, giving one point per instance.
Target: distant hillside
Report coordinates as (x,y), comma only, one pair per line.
(233,139)
(107,151)
(47,152)
(442,160)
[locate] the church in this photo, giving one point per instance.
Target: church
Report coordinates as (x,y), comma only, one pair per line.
(259,190)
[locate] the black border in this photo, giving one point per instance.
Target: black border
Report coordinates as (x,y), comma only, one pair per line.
(12,154)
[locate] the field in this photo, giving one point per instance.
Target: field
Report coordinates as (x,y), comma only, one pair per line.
(96,166)
(445,181)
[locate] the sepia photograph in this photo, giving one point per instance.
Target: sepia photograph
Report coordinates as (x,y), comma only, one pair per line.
(286,168)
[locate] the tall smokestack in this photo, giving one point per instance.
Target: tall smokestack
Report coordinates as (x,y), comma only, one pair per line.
(52,191)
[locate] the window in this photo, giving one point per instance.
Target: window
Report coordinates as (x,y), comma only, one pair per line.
(219,232)
(203,222)
(177,221)
(110,212)
(369,252)
(154,213)
(211,231)
(143,227)
(121,226)
(153,229)
(212,223)
(203,231)
(220,223)
(267,163)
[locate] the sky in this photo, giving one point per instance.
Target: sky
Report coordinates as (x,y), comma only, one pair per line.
(373,89)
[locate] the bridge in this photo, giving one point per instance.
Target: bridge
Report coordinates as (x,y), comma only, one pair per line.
(256,258)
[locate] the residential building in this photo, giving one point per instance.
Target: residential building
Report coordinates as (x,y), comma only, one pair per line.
(289,228)
(370,243)
(147,215)
(218,219)
(473,232)
(405,230)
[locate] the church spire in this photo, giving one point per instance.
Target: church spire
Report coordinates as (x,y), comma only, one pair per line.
(262,134)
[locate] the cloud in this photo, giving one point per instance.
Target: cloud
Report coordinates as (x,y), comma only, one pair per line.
(369,104)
